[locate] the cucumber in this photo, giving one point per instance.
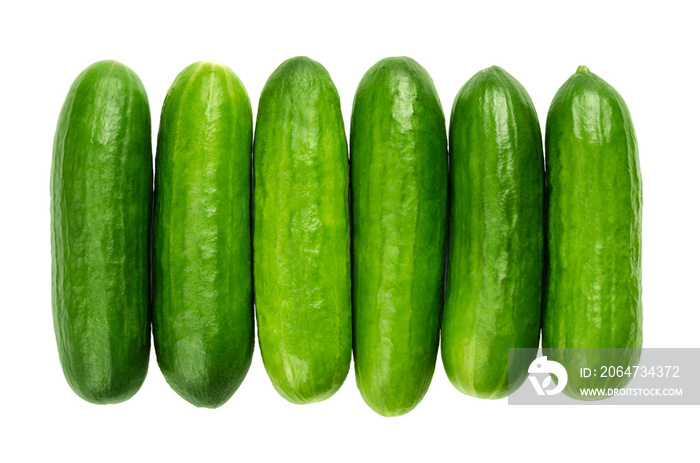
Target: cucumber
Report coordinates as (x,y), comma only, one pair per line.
(203,313)
(593,305)
(302,233)
(101,186)
(494,279)
(398,147)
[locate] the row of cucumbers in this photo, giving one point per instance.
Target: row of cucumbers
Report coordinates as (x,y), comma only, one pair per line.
(345,256)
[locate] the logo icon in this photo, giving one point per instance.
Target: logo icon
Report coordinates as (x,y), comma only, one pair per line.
(550,367)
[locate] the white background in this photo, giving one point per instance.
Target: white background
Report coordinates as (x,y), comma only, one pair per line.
(649,53)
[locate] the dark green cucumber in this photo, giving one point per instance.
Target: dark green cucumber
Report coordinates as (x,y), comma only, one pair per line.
(203,314)
(398,147)
(594,193)
(101,186)
(302,233)
(494,279)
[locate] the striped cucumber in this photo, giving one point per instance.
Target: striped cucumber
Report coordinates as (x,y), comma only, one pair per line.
(101,186)
(593,305)
(494,280)
(398,148)
(203,314)
(302,233)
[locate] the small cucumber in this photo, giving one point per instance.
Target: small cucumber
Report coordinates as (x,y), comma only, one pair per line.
(101,187)
(593,300)
(203,313)
(398,147)
(302,233)
(494,279)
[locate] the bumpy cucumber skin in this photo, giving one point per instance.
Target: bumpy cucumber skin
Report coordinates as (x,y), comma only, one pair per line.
(398,147)
(594,233)
(494,278)
(302,233)
(203,315)
(101,186)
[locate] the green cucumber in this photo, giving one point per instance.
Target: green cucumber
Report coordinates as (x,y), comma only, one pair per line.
(302,233)
(101,186)
(494,279)
(398,147)
(593,305)
(203,313)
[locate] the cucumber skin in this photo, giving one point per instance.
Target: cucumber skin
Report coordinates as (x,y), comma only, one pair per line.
(594,193)
(101,186)
(494,278)
(398,146)
(302,233)
(203,314)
